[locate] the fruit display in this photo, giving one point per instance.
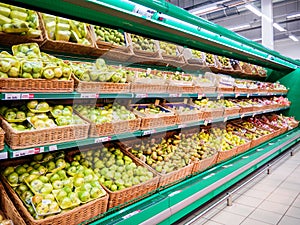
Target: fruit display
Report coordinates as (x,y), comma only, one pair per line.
(180,108)
(258,122)
(107,113)
(9,66)
(27,50)
(280,121)
(205,103)
(112,36)
(228,138)
(227,103)
(143,43)
(224,61)
(278,87)
(49,184)
(17,20)
(100,72)
(197,54)
(168,48)
(251,127)
(210,59)
(282,101)
(180,76)
(261,71)
(150,109)
(61,29)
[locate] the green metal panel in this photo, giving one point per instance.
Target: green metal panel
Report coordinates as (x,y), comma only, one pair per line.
(292,81)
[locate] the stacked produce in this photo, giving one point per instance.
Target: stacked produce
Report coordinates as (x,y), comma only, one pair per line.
(105,114)
(197,54)
(177,76)
(50,185)
(100,72)
(210,59)
(168,48)
(17,20)
(205,103)
(110,35)
(280,120)
(251,127)
(150,109)
(228,139)
(39,115)
(143,43)
(281,101)
(224,61)
(29,62)
(258,122)
(242,132)
(116,171)
(62,29)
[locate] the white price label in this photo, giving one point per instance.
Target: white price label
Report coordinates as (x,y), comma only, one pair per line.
(243,115)
(89,95)
(254,114)
(131,214)
(174,193)
(141,95)
(201,96)
(3,155)
(248,95)
(27,96)
(225,119)
(237,95)
(259,149)
(226,166)
(102,139)
(220,96)
(52,148)
(205,122)
(12,96)
(143,11)
(245,157)
(147,132)
(208,176)
(29,151)
(176,95)
(182,125)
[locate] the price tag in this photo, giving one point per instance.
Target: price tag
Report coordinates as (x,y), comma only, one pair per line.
(29,151)
(243,115)
(27,96)
(254,114)
(131,214)
(147,132)
(259,149)
(89,95)
(174,193)
(3,155)
(208,176)
(237,95)
(141,95)
(52,148)
(245,157)
(226,166)
(102,139)
(143,11)
(12,96)
(176,95)
(220,96)
(205,122)
(248,95)
(201,95)
(182,125)
(225,119)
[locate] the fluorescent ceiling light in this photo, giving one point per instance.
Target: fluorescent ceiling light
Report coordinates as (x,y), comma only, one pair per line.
(254,10)
(292,16)
(278,27)
(204,10)
(240,27)
(292,37)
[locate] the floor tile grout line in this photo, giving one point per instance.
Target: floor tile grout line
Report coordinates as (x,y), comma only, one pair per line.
(288,210)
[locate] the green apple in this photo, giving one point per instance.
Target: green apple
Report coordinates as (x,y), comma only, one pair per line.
(61,194)
(53,207)
(51,165)
(96,192)
(36,184)
(44,179)
(46,189)
(38,157)
(13,178)
(84,196)
(22,188)
(58,184)
(48,74)
(8,171)
(114,187)
(78,181)
(66,203)
(54,177)
(27,67)
(22,177)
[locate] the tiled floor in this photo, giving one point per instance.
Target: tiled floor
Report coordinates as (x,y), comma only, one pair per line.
(270,199)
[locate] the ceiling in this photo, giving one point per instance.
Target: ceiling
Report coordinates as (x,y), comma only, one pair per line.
(232,13)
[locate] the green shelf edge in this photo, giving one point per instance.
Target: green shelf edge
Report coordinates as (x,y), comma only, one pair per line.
(89,141)
(76,95)
(168,205)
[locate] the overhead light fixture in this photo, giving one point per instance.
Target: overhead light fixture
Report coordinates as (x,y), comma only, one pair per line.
(205,10)
(292,37)
(239,27)
(278,27)
(292,16)
(254,10)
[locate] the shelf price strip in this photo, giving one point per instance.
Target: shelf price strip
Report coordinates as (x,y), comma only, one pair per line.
(3,155)
(30,151)
(102,139)
(89,95)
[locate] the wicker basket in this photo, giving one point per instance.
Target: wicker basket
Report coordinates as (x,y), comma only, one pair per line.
(243,148)
(9,209)
(203,164)
(33,138)
(181,89)
(35,85)
(241,90)
(148,88)
(2,135)
(175,61)
(135,193)
(225,89)
(72,217)
(231,111)
(100,87)
(66,46)
(113,128)
(224,155)
(200,90)
(209,114)
(246,109)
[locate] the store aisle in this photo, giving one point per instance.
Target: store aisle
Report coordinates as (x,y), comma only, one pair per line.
(270,199)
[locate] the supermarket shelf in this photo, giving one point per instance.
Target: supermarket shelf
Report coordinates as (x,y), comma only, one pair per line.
(90,141)
(76,95)
(167,206)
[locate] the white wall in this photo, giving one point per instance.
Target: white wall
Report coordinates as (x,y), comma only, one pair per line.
(289,48)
